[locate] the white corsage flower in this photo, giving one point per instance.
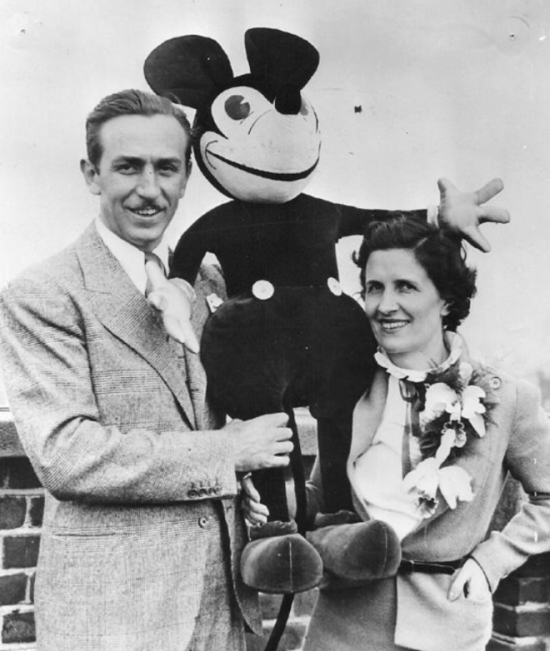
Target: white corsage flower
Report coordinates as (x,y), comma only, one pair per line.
(440,398)
(423,482)
(473,408)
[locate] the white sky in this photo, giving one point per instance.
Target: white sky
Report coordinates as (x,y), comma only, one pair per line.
(455,88)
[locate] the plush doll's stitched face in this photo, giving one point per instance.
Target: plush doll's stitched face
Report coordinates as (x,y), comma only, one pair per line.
(254,152)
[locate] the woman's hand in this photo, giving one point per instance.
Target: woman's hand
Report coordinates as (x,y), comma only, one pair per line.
(255,513)
(470,582)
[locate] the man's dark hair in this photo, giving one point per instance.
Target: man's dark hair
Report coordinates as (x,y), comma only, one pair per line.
(130,102)
(439,252)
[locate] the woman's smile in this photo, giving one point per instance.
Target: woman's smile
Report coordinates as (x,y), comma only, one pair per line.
(405,309)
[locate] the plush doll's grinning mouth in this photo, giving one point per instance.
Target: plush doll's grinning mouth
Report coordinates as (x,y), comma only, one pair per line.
(274,176)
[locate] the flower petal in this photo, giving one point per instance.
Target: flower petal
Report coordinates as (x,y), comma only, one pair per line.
(471,401)
(465,371)
(423,480)
(447,442)
(478,424)
(439,398)
(455,484)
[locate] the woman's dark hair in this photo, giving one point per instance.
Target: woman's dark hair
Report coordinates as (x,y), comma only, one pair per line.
(439,252)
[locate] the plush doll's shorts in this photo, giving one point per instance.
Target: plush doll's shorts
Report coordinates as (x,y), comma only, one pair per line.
(307,341)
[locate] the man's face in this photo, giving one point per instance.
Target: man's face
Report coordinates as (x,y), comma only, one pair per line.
(141,176)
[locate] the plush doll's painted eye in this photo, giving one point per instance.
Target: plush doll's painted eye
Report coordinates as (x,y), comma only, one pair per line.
(237,107)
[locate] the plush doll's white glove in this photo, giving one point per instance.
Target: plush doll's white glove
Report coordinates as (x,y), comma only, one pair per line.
(174,300)
(465,211)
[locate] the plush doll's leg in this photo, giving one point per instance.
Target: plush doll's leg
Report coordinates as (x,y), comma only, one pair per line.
(250,367)
(356,553)
(334,439)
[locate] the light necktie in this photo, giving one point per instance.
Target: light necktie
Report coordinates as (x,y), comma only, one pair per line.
(154,258)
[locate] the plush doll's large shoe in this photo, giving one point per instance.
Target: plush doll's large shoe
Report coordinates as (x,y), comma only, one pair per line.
(280,560)
(357,553)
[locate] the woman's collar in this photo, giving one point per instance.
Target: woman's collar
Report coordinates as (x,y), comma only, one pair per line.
(454,344)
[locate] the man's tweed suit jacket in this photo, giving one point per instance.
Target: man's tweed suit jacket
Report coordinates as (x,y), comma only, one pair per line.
(114,419)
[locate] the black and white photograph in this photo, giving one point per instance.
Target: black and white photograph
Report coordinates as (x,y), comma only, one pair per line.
(274,325)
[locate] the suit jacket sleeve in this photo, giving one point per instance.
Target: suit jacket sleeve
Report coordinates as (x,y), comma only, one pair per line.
(528,460)
(46,362)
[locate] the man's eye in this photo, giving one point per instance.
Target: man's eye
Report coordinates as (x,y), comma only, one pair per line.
(167,170)
(126,169)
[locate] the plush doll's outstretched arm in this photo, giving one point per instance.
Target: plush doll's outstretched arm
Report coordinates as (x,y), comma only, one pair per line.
(462,212)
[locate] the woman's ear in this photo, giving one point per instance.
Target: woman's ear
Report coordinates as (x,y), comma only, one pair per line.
(90,174)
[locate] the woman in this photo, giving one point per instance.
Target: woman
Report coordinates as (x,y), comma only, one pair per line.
(432,443)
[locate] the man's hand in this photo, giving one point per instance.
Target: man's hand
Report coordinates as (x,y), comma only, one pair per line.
(174,300)
(262,442)
(469,582)
(464,211)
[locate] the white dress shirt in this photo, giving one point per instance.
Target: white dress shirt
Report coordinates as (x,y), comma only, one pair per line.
(131,258)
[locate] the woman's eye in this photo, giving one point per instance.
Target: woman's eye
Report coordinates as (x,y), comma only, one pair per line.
(371,288)
(406,287)
(237,108)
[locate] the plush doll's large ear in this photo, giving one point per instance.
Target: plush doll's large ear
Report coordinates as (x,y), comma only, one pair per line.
(189,70)
(280,59)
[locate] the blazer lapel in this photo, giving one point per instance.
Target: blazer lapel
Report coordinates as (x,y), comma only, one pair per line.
(367,416)
(123,310)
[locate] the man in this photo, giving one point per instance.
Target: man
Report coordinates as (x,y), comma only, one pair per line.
(141,540)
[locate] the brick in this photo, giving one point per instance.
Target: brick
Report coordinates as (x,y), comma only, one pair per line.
(516,590)
(18,628)
(304,603)
(36,511)
(12,588)
(32,581)
(292,638)
(17,472)
(12,512)
(270,604)
(535,566)
(522,621)
(10,445)
(502,643)
(21,551)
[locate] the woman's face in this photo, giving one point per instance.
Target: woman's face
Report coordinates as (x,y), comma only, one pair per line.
(405,309)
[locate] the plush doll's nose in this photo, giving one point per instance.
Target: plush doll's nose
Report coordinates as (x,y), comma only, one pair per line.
(288,100)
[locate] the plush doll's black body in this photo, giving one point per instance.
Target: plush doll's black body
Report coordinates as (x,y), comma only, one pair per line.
(294,335)
(287,335)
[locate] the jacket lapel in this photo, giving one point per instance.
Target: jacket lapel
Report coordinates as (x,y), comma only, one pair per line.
(367,416)
(124,311)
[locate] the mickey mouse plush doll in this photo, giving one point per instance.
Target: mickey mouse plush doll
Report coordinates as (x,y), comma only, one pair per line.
(287,336)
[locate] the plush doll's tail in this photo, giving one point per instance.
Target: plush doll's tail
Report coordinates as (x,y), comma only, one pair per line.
(297,467)
(298,474)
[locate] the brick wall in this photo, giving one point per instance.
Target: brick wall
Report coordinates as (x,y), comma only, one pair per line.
(522,601)
(21,511)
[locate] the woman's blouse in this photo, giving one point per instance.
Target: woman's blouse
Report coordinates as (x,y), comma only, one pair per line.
(380,469)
